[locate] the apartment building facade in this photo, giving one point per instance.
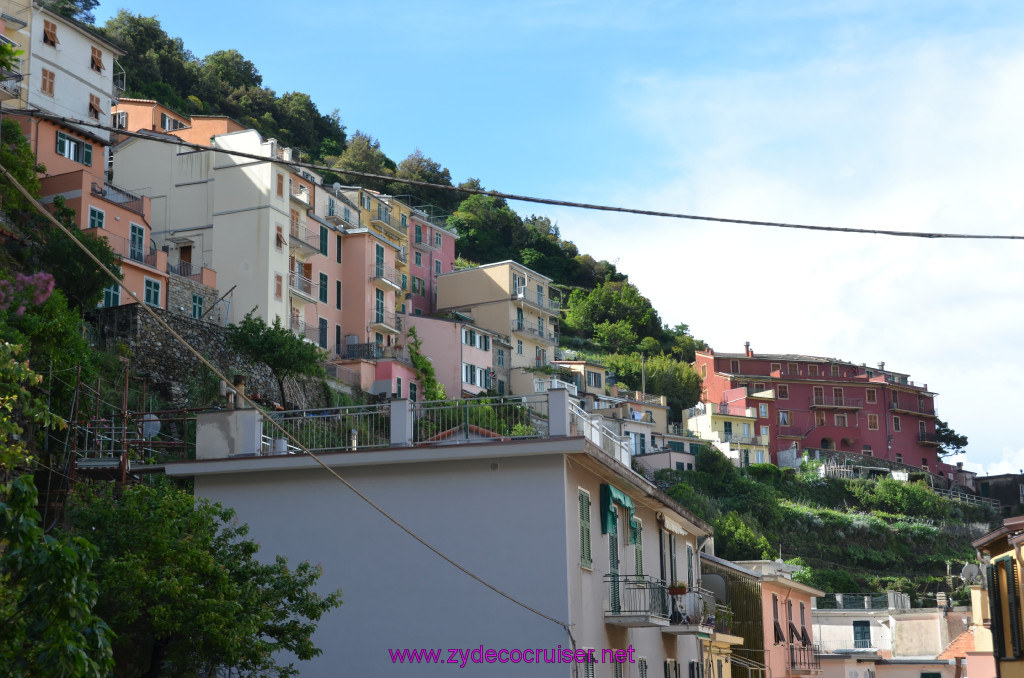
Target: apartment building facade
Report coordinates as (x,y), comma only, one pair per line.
(433,253)
(512,300)
(594,546)
(462,355)
(735,425)
(825,403)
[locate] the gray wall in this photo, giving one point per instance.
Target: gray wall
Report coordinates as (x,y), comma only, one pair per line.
(503,518)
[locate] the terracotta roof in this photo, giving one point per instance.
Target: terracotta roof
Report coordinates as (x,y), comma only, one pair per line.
(960,646)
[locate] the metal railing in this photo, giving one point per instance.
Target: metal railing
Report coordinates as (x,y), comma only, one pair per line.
(918,408)
(800,656)
(187,269)
(369,351)
(851,644)
(731,410)
(305,330)
(301,283)
(968,498)
(932,438)
(118,196)
(637,594)
(524,293)
(382,316)
(541,385)
(125,248)
(861,601)
(481,419)
(822,401)
(534,330)
(696,606)
(738,438)
(385,272)
(305,235)
(423,242)
(339,428)
(593,429)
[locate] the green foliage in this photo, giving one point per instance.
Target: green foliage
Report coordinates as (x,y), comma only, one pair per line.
(432,388)
(47,594)
(902,498)
(950,442)
(19,407)
(284,352)
(666,376)
(74,272)
(17,157)
(418,167)
(183,590)
(363,154)
(735,538)
(617,337)
(612,302)
(79,10)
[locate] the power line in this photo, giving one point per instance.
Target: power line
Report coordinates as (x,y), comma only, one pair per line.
(168,139)
(169,330)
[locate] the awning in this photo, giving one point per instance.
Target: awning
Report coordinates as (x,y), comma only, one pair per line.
(610,496)
(672,526)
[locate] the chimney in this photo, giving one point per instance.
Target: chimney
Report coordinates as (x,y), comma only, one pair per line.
(881,365)
(748,352)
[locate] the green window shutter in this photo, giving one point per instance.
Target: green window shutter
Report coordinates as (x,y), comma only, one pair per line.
(585,556)
(995,611)
(639,546)
(673,574)
(62,142)
(87,154)
(1012,600)
(689,565)
(323,287)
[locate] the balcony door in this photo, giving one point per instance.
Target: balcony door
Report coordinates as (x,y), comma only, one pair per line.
(379,317)
(136,243)
(379,262)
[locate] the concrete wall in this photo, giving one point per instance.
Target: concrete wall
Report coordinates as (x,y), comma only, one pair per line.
(396,593)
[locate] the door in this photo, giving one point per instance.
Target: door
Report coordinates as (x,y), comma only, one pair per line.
(379,309)
(136,243)
(185,259)
(379,262)
(519,319)
(727,428)
(819,395)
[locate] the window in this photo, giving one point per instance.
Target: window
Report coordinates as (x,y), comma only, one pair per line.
(921,430)
(337,294)
(419,258)
(819,418)
(73,149)
(47,85)
(136,242)
(784,391)
(437,267)
(437,239)
(96,63)
(861,634)
(278,284)
(412,392)
(776,367)
(501,357)
(899,458)
(398,387)
(337,251)
(734,366)
(866,451)
(152,292)
(872,422)
(519,346)
(762,409)
(501,387)
(841,420)
(111,296)
(791,368)
(871,395)
(764,431)
(783,418)
(171,124)
(280,185)
(94,107)
(805,639)
(323,287)
(689,566)
(119,120)
(469,373)
(50,34)
(95,218)
(703,371)
(641,664)
(322,332)
(468,337)
(405,221)
(895,423)
(419,234)
(835,370)
(366,201)
(323,240)
(780,636)
(895,399)
(594,379)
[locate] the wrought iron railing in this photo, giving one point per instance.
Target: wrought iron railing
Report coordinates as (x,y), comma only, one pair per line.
(338,428)
(384,272)
(301,283)
(305,235)
(118,196)
(479,419)
(800,656)
(636,595)
(824,401)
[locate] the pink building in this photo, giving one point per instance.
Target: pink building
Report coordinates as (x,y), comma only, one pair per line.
(462,354)
(433,252)
(829,404)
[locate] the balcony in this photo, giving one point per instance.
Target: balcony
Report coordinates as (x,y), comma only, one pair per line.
(306,331)
(802,659)
(187,269)
(386,322)
(823,402)
(360,351)
(402,256)
(130,250)
(337,216)
(302,286)
(422,242)
(534,298)
(388,224)
(118,196)
(696,613)
(636,601)
(931,439)
(535,332)
(924,409)
(301,195)
(10,85)
(386,277)
(304,239)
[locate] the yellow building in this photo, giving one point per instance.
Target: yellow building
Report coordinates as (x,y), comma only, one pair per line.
(731,428)
(998,628)
(510,299)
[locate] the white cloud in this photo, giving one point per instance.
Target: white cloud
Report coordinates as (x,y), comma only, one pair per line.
(923,136)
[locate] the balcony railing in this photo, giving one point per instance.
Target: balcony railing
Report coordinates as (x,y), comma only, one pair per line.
(381,272)
(914,408)
(844,403)
(387,319)
(302,284)
(482,419)
(696,607)
(305,236)
(928,439)
(423,242)
(731,410)
(125,248)
(534,330)
(118,196)
(388,221)
(802,657)
(531,297)
(636,600)
(738,438)
(305,330)
(187,269)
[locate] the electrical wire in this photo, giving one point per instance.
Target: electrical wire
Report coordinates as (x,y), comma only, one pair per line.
(175,141)
(167,328)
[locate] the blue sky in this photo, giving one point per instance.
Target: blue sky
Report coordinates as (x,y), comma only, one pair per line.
(847,112)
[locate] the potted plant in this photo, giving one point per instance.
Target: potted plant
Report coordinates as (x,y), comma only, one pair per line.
(676,588)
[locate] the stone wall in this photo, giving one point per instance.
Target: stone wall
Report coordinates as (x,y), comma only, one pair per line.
(169,366)
(179,299)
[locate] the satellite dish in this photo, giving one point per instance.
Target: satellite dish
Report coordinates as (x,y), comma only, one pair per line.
(150,426)
(971,574)
(337,187)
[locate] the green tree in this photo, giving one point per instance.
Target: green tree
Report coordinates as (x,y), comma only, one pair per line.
(363,154)
(418,167)
(79,10)
(617,337)
(231,69)
(156,65)
(612,302)
(666,376)
(17,157)
(432,388)
(182,588)
(489,229)
(284,352)
(48,594)
(950,442)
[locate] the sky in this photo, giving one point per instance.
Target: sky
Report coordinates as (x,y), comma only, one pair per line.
(852,113)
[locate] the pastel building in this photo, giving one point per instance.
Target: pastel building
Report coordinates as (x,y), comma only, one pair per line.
(736,426)
(997,602)
(462,355)
(433,253)
(592,545)
(830,404)
(512,300)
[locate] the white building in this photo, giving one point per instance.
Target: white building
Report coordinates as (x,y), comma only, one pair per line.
(554,521)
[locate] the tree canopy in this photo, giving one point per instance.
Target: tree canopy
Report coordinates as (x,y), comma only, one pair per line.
(287,354)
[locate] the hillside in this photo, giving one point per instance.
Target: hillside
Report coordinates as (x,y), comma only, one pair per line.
(850,535)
